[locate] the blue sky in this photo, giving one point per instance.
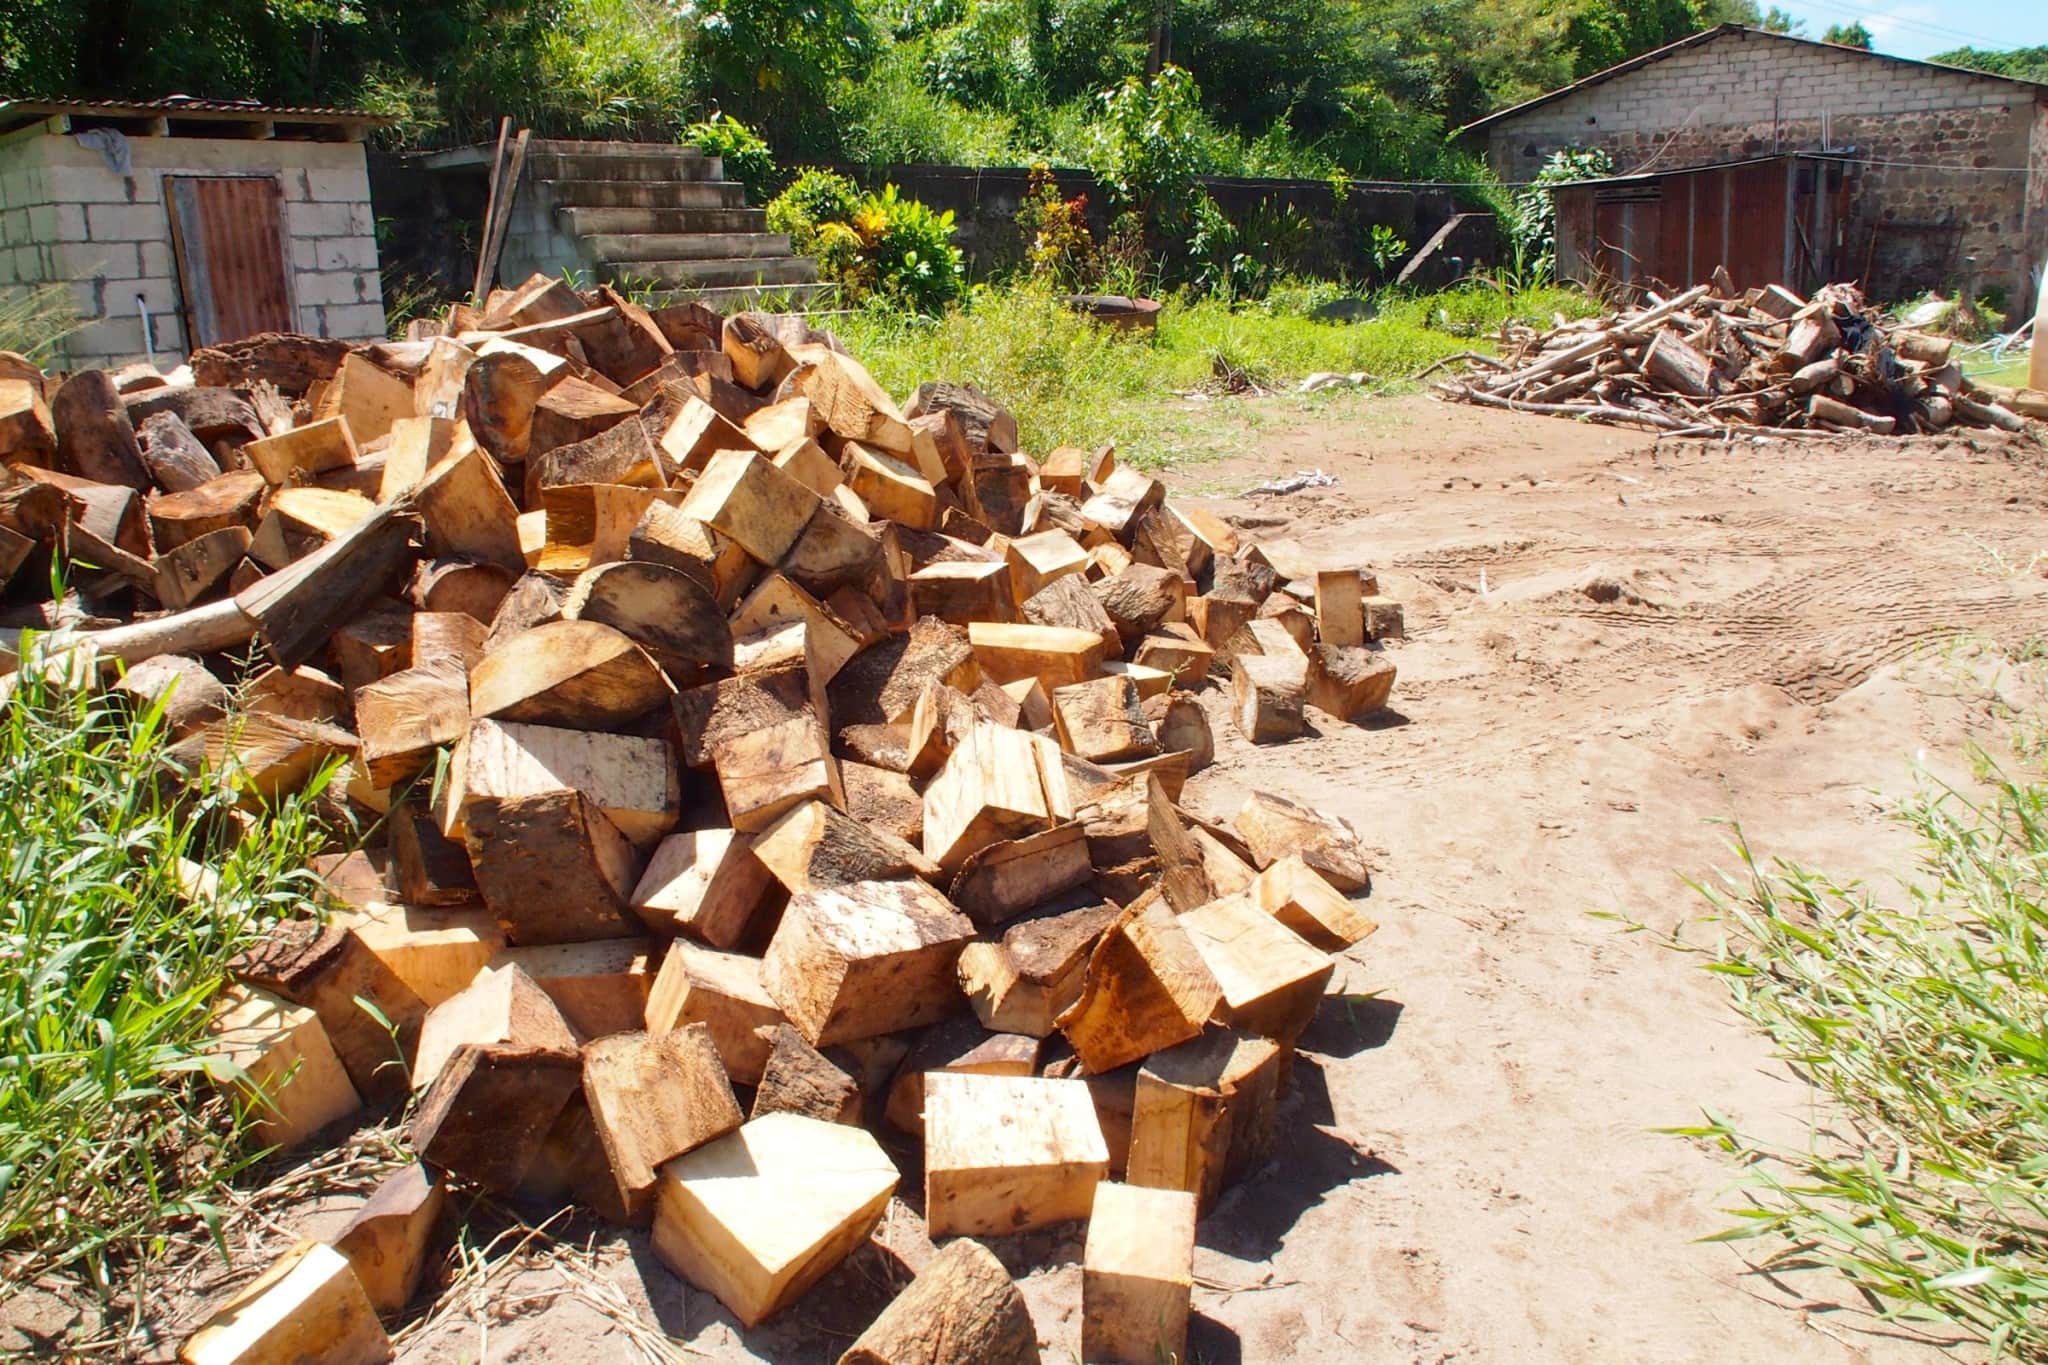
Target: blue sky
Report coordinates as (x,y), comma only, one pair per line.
(1920,28)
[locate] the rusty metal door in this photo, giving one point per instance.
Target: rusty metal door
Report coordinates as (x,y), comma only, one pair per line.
(228,232)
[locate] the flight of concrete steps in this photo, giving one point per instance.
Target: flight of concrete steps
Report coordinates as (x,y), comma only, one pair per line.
(651,218)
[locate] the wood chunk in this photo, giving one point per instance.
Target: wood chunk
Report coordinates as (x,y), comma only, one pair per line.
(176,460)
(452,635)
(1384,619)
(889,487)
(27,434)
(1140,599)
(1055,655)
(373,646)
(386,1239)
(802,458)
(307,1306)
(300,693)
(631,779)
(501,1005)
(759,361)
(1034,706)
(881,684)
(1340,610)
(1273,828)
(228,501)
(404,718)
(834,552)
(723,992)
(265,757)
(704,882)
(199,568)
(764,772)
(213,415)
(959,1045)
(1137,1275)
(1271,979)
(1004,879)
(189,695)
(1024,981)
(1068,603)
(276,1058)
(653,1098)
(534,599)
(1117,502)
(297,612)
(460,585)
(665,536)
(1204,1114)
(1146,988)
(366,396)
(866,958)
(883,800)
(571,411)
(1349,683)
(601,987)
(621,454)
(962,1309)
(759,1216)
(693,436)
(1103,720)
(468,512)
(1299,897)
(1036,560)
(665,612)
(435,952)
(988,790)
(552,868)
(500,390)
(747,498)
(580,675)
(829,640)
(814,845)
(95,431)
(962,591)
(329,970)
(848,400)
(799,1079)
(985,428)
(1005,1154)
(438,389)
(489,1112)
(1267,695)
(295,456)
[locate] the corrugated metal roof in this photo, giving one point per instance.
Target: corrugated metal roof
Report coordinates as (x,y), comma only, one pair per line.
(15,113)
(1721,31)
(1642,177)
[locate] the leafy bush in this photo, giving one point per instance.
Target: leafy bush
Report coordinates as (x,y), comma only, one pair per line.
(746,157)
(1532,228)
(1149,149)
(813,199)
(1058,247)
(873,245)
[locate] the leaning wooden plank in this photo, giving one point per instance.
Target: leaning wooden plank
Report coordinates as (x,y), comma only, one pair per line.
(307,1306)
(1137,1275)
(576,674)
(297,610)
(868,958)
(653,1098)
(1006,1154)
(759,1216)
(386,1239)
(962,1309)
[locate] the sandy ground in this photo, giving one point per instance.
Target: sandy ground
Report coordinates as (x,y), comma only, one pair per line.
(1468,1168)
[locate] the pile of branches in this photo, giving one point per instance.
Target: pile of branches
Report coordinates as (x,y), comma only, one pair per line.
(1714,362)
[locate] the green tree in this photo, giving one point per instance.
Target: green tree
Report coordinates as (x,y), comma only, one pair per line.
(1851,34)
(2021,63)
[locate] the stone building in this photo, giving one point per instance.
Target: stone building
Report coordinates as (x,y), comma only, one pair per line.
(1947,169)
(176,223)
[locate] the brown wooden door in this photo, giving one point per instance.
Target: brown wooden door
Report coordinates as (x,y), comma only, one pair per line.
(232,271)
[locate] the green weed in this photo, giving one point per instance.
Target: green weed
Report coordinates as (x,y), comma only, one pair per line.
(35,319)
(111,1140)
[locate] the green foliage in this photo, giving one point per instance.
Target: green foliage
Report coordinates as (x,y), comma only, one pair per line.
(1387,248)
(1532,227)
(1851,34)
(35,319)
(2021,63)
(1603,34)
(110,1138)
(1921,1021)
(875,246)
(1149,149)
(1058,248)
(746,157)
(813,199)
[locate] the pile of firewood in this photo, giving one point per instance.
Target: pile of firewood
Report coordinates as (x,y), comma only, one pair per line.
(1712,362)
(730,732)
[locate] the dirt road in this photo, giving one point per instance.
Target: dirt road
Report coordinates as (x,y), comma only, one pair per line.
(1611,644)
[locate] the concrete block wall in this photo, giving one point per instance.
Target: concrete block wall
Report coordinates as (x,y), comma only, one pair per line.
(1946,149)
(69,218)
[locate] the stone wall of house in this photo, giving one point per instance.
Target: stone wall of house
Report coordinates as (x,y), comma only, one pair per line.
(67,217)
(1947,153)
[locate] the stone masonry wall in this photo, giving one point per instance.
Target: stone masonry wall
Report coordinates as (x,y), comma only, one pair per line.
(66,217)
(1946,152)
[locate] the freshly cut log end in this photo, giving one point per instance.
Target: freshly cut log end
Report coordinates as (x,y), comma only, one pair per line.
(1267,695)
(1005,1154)
(962,1309)
(759,1216)
(307,1306)
(577,674)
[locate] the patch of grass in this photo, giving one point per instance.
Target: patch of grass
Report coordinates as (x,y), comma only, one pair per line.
(111,1138)
(1072,382)
(1925,1022)
(35,319)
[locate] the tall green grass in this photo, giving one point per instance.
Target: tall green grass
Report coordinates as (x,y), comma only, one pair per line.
(35,319)
(1070,381)
(1924,1021)
(110,1136)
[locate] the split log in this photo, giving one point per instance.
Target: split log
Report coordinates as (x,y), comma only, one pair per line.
(1005,1154)
(27,433)
(1140,599)
(366,396)
(867,958)
(705,882)
(307,1306)
(298,610)
(1678,367)
(799,1079)
(232,500)
(500,1005)
(296,456)
(963,591)
(666,613)
(985,428)
(989,789)
(403,719)
(1022,982)
(748,499)
(814,846)
(329,970)
(190,696)
(275,1057)
(1348,683)
(759,1216)
(199,567)
(601,987)
(489,1111)
(653,1098)
(1067,603)
(1003,880)
(1271,979)
(436,952)
(1299,897)
(848,400)
(467,510)
(1137,1275)
(1146,988)
(1267,695)
(1055,655)
(1182,726)
(95,431)
(1186,658)
(1103,720)
(552,868)
(386,1239)
(889,487)
(1204,1114)
(176,460)
(1273,827)
(962,1309)
(1340,608)
(580,675)
(1036,560)
(956,1046)
(723,992)
(1384,619)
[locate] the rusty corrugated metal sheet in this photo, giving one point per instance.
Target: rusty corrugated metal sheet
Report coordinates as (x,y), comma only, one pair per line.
(232,267)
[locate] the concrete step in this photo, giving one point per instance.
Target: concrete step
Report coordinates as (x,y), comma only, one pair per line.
(598,222)
(782,298)
(694,246)
(714,272)
(690,165)
(650,194)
